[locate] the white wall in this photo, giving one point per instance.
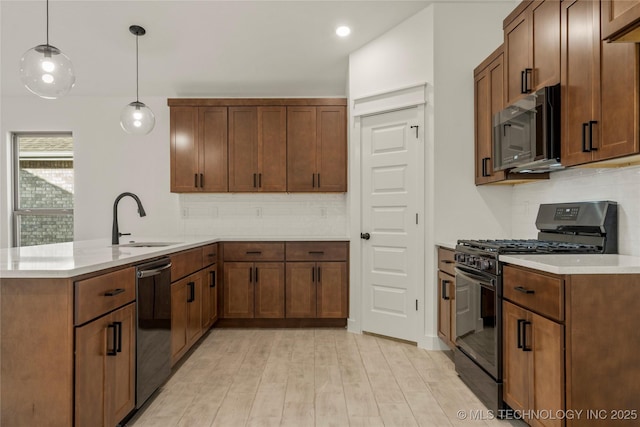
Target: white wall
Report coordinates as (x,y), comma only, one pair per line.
(440,45)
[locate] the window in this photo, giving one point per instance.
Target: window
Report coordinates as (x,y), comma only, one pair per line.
(42,188)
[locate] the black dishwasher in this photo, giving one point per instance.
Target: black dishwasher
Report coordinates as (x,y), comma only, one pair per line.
(153,340)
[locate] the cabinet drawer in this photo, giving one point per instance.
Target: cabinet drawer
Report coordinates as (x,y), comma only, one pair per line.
(534,291)
(209,254)
(254,251)
(185,263)
(446,261)
(101,294)
(317,251)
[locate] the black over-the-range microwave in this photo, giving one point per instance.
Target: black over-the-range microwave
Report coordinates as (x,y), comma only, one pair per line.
(526,134)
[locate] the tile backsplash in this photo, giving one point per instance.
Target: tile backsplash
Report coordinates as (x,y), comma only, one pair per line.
(620,185)
(252,214)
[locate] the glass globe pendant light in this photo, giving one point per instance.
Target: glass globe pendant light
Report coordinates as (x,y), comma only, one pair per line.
(46,71)
(136,118)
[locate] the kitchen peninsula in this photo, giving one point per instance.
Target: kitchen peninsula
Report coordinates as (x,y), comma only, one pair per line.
(68,313)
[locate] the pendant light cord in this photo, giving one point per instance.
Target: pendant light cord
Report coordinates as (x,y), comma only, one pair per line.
(47,22)
(137,95)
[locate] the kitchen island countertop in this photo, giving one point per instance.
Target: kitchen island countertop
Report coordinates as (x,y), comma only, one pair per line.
(64,260)
(577,264)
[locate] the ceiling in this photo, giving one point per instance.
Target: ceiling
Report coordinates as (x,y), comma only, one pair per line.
(198,48)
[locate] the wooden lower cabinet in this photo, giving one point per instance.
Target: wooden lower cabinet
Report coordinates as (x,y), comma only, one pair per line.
(209,296)
(316,290)
(186,314)
(105,369)
(446,308)
(253,290)
(533,364)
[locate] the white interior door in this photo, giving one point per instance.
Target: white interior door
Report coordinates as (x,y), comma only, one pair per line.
(392,205)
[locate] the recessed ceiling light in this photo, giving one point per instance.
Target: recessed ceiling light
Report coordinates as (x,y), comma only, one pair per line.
(343,31)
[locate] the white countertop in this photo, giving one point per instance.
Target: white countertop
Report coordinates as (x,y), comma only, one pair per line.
(63,260)
(577,264)
(447,245)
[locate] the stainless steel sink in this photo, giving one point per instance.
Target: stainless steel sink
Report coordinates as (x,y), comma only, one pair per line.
(147,244)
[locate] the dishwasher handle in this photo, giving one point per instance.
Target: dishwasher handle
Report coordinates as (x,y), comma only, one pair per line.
(153,272)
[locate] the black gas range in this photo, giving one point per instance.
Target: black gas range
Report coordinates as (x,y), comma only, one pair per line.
(563,228)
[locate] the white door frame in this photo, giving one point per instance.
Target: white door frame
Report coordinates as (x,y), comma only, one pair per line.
(404,97)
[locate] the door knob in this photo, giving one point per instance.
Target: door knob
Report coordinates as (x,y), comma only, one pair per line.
(365,236)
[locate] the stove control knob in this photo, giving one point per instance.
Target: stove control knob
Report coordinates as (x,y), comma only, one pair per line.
(471,261)
(484,264)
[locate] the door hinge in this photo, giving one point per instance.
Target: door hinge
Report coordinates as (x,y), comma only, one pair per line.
(416,219)
(416,305)
(416,128)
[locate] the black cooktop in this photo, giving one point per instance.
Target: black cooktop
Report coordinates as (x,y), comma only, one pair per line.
(507,246)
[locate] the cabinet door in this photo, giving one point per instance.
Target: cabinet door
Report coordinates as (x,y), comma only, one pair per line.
(300,294)
(331,290)
(184,149)
(301,148)
(269,290)
(617,15)
(194,308)
(580,56)
(121,386)
(619,100)
(545,34)
(238,290)
(243,149)
(209,297)
(489,98)
(93,340)
(105,369)
(445,330)
(518,56)
(178,319)
(515,361)
(272,148)
(331,150)
(213,149)
(547,364)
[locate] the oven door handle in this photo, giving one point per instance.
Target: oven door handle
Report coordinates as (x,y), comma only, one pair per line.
(487,282)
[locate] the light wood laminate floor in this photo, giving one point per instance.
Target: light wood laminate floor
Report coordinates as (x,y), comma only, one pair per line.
(312,377)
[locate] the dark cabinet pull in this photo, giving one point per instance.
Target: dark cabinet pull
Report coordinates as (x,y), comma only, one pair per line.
(212,283)
(313,274)
(260,180)
(195,180)
(119,333)
(522,83)
(254,180)
(313,180)
(524,290)
(524,336)
(528,77)
(115,339)
(316,252)
(443,289)
(318,180)
(591,147)
(448,261)
(319,279)
(584,138)
(256,274)
(484,166)
(250,274)
(253,252)
(113,292)
(519,337)
(192,291)
(201,180)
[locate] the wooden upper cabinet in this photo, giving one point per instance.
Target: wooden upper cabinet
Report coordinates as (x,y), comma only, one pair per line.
(620,20)
(198,149)
(316,149)
(488,97)
(532,48)
(257,149)
(599,87)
